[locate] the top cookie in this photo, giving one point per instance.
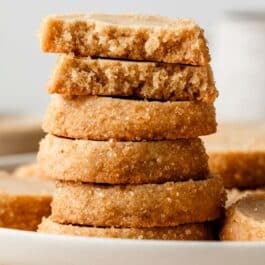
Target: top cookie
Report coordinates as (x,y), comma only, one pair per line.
(135,37)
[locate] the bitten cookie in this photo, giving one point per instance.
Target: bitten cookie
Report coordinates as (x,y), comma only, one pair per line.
(147,205)
(144,80)
(134,37)
(182,232)
(245,220)
(122,162)
(104,118)
(237,154)
(235,195)
(23,202)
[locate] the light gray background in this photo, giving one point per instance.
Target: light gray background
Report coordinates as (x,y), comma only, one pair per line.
(24,69)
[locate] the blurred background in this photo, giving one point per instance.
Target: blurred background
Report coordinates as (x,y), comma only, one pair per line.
(235,30)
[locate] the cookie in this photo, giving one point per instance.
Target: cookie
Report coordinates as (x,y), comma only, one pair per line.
(122,162)
(245,220)
(134,37)
(29,171)
(19,134)
(23,202)
(233,195)
(237,154)
(147,205)
(182,232)
(143,80)
(104,118)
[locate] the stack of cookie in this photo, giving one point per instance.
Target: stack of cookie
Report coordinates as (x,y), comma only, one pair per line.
(123,135)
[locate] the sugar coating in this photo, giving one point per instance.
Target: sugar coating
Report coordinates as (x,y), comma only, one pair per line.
(182,232)
(122,162)
(145,80)
(245,220)
(147,205)
(237,154)
(104,118)
(23,203)
(134,37)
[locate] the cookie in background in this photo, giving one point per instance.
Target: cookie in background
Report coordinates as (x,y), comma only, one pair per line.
(24,199)
(245,220)
(237,153)
(19,134)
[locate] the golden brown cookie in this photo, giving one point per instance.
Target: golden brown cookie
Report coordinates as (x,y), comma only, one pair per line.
(144,80)
(23,203)
(237,154)
(245,220)
(147,205)
(104,118)
(122,162)
(134,37)
(182,232)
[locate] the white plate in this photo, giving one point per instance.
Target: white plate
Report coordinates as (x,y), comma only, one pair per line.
(29,248)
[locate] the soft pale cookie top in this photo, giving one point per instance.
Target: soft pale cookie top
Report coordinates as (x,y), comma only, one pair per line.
(237,137)
(129,36)
(133,20)
(18,186)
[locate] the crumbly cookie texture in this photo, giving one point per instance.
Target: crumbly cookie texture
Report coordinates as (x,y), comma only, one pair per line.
(23,203)
(134,37)
(122,162)
(201,231)
(104,118)
(144,80)
(147,205)
(245,220)
(237,154)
